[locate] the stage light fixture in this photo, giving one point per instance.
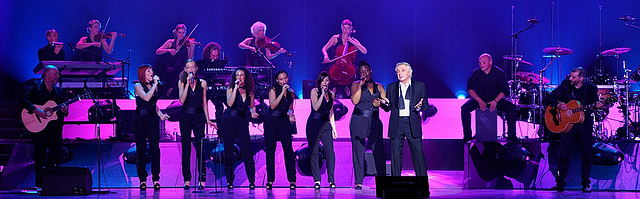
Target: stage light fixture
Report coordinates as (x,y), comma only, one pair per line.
(303,158)
(461,95)
(606,154)
(217,153)
(131,155)
(512,153)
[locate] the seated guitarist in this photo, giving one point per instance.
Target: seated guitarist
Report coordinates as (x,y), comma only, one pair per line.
(38,93)
(575,88)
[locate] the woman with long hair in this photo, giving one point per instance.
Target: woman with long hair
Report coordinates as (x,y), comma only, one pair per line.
(321,127)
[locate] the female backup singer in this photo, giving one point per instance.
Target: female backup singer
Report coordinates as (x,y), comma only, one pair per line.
(195,114)
(93,42)
(365,122)
(212,51)
(321,127)
(235,124)
(174,53)
(280,126)
(146,125)
(254,58)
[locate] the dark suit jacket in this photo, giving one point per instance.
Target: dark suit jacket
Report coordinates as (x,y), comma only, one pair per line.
(418,91)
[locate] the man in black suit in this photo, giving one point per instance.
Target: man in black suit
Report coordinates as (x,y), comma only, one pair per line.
(406,98)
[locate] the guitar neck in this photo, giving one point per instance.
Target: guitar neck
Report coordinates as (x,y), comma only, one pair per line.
(54,109)
(584,108)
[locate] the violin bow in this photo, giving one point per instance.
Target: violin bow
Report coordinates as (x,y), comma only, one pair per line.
(184,40)
(265,43)
(334,59)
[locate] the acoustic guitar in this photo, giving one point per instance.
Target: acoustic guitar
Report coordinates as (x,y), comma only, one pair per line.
(35,124)
(559,121)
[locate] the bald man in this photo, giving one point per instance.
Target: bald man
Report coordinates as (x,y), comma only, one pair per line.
(487,87)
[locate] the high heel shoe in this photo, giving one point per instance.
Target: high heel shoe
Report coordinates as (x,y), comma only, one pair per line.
(143,186)
(292,185)
(252,185)
(201,186)
(317,185)
(156,186)
(269,185)
(229,186)
(358,186)
(186,185)
(332,185)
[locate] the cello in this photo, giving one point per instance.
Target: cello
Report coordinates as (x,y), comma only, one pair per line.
(343,71)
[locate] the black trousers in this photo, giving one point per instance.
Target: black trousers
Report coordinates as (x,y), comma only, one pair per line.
(50,138)
(503,105)
(276,128)
(415,146)
(580,135)
(147,128)
(371,128)
(195,122)
(232,128)
(317,131)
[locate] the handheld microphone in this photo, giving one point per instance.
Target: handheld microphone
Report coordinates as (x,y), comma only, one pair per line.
(72,48)
(237,82)
(191,80)
(159,82)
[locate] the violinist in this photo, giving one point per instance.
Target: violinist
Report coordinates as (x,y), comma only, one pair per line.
(255,51)
(94,41)
(348,46)
(174,53)
(53,50)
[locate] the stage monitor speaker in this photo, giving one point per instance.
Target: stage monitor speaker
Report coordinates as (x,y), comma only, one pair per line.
(67,181)
(402,187)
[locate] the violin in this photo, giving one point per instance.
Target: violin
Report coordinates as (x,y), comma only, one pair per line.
(188,41)
(273,46)
(102,35)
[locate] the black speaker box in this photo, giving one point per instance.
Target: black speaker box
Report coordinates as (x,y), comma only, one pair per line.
(67,181)
(402,187)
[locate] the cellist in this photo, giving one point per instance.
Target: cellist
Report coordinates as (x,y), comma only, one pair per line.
(352,45)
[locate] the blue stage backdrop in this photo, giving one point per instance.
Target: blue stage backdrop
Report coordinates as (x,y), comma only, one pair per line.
(441,39)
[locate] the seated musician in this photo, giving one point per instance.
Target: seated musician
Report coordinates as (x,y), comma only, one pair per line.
(487,87)
(343,39)
(212,51)
(257,55)
(94,43)
(50,138)
(174,53)
(53,50)
(575,88)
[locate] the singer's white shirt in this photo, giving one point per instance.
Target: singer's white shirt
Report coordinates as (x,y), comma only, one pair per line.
(403,89)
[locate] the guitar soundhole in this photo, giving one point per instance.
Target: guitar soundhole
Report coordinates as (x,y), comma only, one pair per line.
(554,112)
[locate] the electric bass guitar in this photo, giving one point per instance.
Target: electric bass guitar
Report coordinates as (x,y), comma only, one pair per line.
(35,124)
(559,121)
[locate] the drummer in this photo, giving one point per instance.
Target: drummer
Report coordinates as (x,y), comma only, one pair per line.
(487,87)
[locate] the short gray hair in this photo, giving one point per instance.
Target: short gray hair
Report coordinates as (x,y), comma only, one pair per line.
(256,25)
(408,67)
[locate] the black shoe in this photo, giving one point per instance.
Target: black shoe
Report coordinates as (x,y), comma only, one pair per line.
(316,186)
(229,186)
(332,185)
(186,187)
(358,187)
(156,186)
(467,139)
(292,185)
(557,188)
(143,186)
(586,189)
(252,185)
(269,185)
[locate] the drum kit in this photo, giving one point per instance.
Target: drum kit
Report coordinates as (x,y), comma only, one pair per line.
(528,89)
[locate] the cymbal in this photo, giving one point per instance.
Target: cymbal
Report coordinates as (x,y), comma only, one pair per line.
(531,77)
(518,59)
(615,51)
(557,51)
(621,81)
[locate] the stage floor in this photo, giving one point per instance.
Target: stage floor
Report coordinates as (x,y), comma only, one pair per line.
(343,193)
